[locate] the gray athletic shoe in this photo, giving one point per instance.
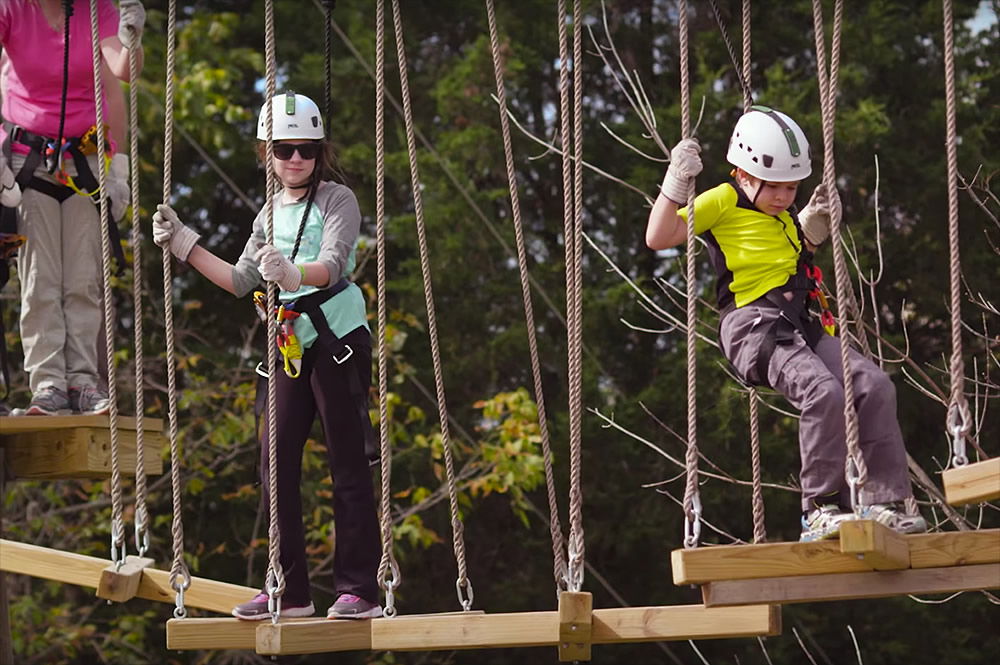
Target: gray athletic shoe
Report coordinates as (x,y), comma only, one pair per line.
(894,516)
(823,522)
(89,400)
(48,401)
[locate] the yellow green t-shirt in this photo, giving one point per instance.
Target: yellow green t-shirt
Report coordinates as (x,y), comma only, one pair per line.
(752,252)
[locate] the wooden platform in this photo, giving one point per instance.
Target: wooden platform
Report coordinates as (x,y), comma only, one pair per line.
(782,573)
(82,570)
(49,447)
(972,483)
(472,630)
(740,562)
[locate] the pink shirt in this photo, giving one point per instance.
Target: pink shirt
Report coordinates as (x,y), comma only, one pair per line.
(32,96)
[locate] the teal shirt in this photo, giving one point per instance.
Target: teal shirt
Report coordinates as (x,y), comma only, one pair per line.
(330,237)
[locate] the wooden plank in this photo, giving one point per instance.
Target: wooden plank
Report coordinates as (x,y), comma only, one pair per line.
(575,622)
(22,424)
(85,571)
(119,584)
(80,452)
(313,636)
(875,544)
(211,633)
(684,622)
(972,483)
(431,632)
(851,586)
(735,562)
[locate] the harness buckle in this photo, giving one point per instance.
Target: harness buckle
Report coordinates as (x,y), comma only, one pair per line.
(347,354)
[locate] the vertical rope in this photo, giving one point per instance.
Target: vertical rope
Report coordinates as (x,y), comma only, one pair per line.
(118,548)
(958,421)
(141,510)
(856,470)
(388,570)
(275,584)
(759,532)
(555,529)
(328,6)
(747,89)
(576,557)
(180,578)
(692,500)
(462,585)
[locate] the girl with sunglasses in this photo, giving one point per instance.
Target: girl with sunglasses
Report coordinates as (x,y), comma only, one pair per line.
(316,224)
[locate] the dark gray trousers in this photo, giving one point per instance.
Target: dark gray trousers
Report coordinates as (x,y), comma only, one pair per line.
(324,387)
(813,382)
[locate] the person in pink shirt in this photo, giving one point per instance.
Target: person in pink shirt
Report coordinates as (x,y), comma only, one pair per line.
(48,150)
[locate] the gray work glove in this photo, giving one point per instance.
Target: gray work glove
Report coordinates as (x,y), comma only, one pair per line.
(131,18)
(10,192)
(274,267)
(117,184)
(815,216)
(169,232)
(685,164)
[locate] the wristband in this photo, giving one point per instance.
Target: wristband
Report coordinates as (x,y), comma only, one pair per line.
(302,271)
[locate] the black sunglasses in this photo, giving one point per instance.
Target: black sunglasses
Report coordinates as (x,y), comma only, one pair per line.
(284,151)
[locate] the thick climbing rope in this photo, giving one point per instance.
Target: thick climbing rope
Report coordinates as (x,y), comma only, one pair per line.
(692,500)
(856,470)
(141,510)
(328,7)
(180,577)
(389,577)
(118,548)
(958,421)
(574,308)
(558,555)
(275,579)
(463,585)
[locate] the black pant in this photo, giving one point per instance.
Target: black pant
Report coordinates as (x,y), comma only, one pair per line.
(325,387)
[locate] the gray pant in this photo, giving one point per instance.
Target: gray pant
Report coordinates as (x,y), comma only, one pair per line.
(813,382)
(59,268)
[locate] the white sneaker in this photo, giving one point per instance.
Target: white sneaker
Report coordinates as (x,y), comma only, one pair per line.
(823,522)
(894,516)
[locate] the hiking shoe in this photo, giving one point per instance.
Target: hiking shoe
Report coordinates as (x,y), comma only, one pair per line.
(256,609)
(894,516)
(89,400)
(349,606)
(823,522)
(48,401)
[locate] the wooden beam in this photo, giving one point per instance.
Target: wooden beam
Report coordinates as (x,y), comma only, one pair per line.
(972,483)
(85,571)
(318,635)
(874,543)
(48,447)
(24,424)
(211,633)
(119,584)
(738,562)
(852,586)
(684,622)
(575,625)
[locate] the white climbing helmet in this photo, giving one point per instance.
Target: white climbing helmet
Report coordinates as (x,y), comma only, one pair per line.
(769,145)
(294,116)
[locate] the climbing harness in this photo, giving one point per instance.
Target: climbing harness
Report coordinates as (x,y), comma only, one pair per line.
(288,343)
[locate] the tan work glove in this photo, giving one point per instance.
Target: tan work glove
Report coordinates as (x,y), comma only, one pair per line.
(169,232)
(815,216)
(685,164)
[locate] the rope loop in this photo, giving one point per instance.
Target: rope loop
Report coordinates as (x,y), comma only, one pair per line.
(389,585)
(692,523)
(463,586)
(959,422)
(118,549)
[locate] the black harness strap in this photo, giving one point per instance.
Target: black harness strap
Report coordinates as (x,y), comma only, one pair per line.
(341,351)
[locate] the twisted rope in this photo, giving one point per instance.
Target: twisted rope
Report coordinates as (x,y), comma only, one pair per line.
(692,500)
(759,532)
(328,6)
(180,577)
(275,584)
(118,548)
(958,420)
(141,510)
(388,570)
(748,89)
(856,470)
(559,569)
(463,585)
(576,558)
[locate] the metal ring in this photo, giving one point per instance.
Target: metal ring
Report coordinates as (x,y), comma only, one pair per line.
(465,602)
(179,610)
